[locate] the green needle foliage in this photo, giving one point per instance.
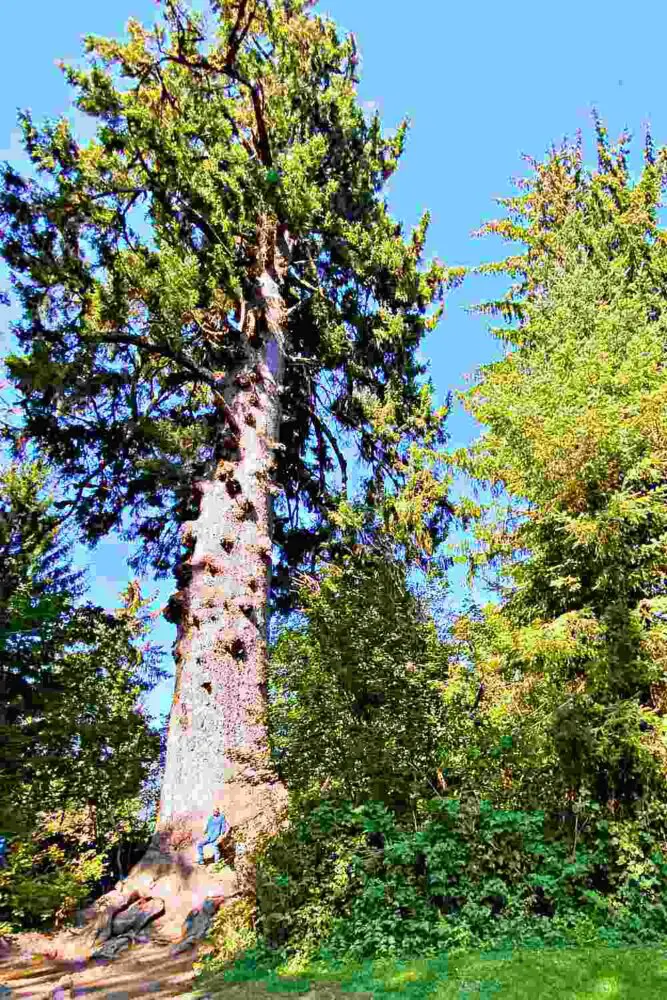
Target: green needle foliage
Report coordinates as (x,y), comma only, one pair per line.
(134,257)
(575,453)
(71,675)
(550,822)
(355,705)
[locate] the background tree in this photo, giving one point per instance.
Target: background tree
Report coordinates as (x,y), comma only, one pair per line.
(214,299)
(355,702)
(77,752)
(574,451)
(73,733)
(35,577)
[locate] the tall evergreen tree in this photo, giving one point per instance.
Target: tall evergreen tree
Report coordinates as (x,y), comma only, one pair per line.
(215,301)
(71,674)
(36,584)
(574,451)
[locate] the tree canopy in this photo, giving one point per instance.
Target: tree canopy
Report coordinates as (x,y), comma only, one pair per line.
(550,820)
(136,257)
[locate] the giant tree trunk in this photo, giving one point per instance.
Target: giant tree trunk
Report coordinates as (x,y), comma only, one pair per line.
(217,741)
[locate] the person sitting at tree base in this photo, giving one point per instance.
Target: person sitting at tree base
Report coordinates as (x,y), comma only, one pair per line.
(215,828)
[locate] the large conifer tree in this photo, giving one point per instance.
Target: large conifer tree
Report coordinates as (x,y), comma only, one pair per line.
(213,291)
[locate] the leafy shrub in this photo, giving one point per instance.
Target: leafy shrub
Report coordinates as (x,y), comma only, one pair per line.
(353,881)
(43,884)
(232,933)
(67,860)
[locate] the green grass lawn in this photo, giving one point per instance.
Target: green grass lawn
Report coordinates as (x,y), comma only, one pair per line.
(550,974)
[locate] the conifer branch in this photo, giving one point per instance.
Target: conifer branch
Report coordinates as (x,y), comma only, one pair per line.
(179,357)
(321,428)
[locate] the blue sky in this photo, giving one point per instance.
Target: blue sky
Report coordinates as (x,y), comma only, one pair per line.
(482,83)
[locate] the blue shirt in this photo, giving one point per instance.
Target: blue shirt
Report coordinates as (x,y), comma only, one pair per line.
(215,827)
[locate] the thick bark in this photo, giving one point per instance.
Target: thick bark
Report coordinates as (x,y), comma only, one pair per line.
(217,734)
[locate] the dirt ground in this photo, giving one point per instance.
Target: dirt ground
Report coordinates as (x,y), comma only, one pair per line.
(58,966)
(143,969)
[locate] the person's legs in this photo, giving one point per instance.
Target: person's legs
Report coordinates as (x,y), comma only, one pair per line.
(216,851)
(201,844)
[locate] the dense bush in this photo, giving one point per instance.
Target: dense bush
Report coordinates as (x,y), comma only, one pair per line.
(51,871)
(372,712)
(353,881)
(67,859)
